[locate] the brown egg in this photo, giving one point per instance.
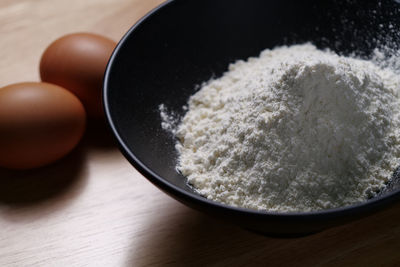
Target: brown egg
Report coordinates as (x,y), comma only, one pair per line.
(39,124)
(77,62)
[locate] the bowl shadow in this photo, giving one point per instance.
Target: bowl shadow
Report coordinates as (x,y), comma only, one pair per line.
(194,239)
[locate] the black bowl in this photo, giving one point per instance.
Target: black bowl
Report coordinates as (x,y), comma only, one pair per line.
(182,43)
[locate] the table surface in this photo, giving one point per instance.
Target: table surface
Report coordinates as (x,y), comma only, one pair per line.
(93,209)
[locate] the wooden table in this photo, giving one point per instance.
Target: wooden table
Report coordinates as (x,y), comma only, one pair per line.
(93,209)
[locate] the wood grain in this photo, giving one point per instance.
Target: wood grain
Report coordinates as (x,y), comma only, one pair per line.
(93,209)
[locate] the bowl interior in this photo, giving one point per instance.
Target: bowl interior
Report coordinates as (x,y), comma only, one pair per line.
(164,58)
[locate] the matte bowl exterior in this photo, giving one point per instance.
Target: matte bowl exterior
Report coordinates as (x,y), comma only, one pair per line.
(180,44)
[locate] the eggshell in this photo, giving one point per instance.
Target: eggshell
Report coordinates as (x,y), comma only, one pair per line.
(77,62)
(39,124)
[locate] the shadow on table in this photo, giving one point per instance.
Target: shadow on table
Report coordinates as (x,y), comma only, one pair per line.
(98,136)
(40,191)
(194,239)
(30,187)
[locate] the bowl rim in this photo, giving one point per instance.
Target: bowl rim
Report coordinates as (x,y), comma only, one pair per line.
(159,181)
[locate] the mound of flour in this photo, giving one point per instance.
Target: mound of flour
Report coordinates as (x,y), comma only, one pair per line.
(296,129)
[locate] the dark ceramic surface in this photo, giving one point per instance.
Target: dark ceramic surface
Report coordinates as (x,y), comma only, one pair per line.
(183,43)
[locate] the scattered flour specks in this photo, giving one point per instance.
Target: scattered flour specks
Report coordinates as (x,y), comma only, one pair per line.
(169,120)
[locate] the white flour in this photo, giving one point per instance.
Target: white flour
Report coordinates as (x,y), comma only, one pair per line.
(296,129)
(169,119)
